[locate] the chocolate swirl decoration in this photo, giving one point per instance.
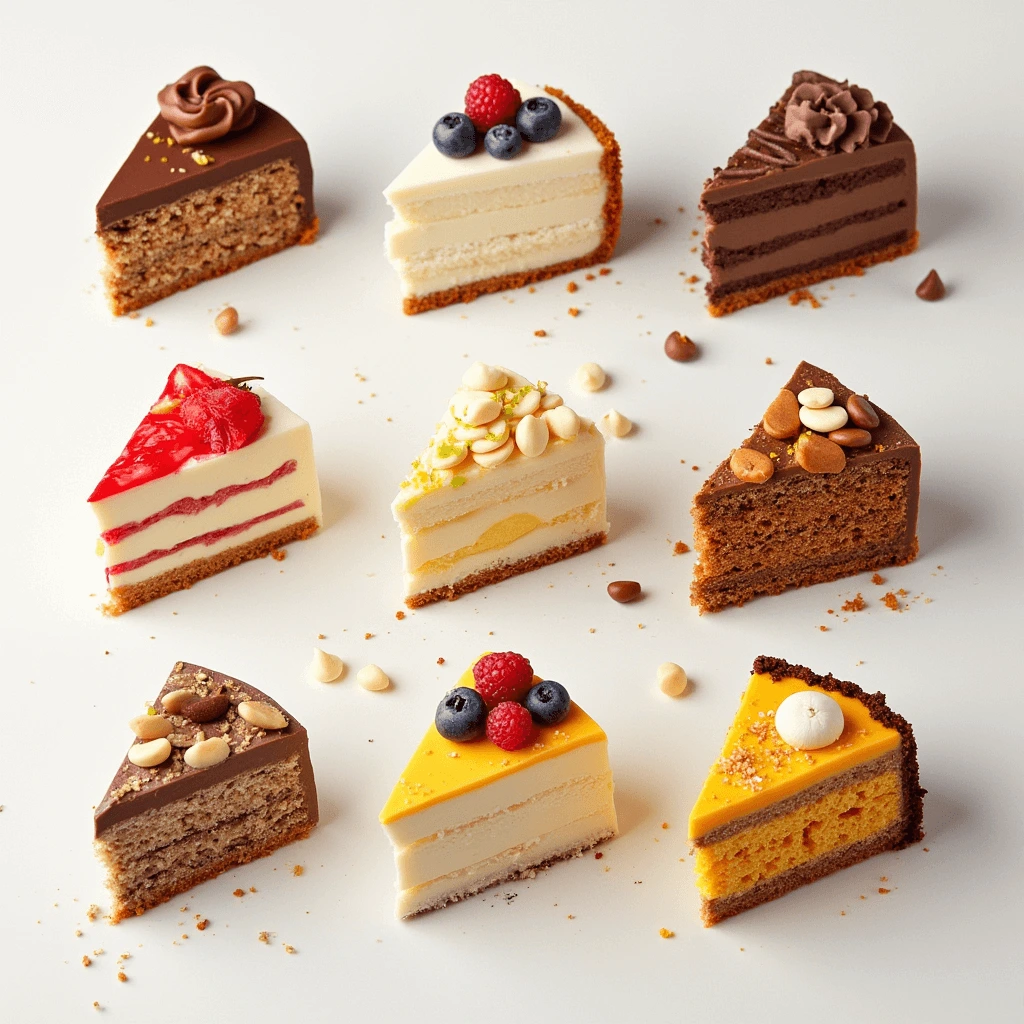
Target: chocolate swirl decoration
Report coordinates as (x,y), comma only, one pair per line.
(200,106)
(830,116)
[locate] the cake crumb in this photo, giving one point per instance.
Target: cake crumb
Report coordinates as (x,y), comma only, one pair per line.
(598,855)
(574,311)
(605,271)
(264,937)
(664,824)
(666,933)
(883,892)
(279,554)
(288,948)
(589,277)
(891,602)
(298,870)
(803,295)
(768,361)
(202,925)
(238,892)
(878,579)
(855,604)
(399,615)
(571,287)
(679,548)
(87,961)
(121,976)
(824,629)
(367,636)
(150,321)
(540,334)
(440,661)
(93,912)
(321,636)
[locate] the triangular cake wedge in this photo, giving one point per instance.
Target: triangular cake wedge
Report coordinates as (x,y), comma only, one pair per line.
(181,212)
(203,484)
(466,227)
(825,185)
(795,506)
(198,805)
(771,817)
(511,481)
(467,815)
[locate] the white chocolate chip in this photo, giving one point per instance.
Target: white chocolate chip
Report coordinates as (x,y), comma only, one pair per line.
(207,753)
(488,460)
(562,422)
(532,436)
(614,423)
(262,715)
(494,438)
(809,720)
(174,701)
(482,377)
(372,677)
(550,401)
(823,420)
(528,404)
(590,377)
(150,727)
(672,679)
(816,398)
(149,755)
(476,408)
(326,668)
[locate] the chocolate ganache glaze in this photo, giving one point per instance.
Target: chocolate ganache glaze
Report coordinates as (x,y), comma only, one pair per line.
(201,106)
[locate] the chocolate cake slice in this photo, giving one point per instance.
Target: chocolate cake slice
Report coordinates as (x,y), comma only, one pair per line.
(220,775)
(217,181)
(825,185)
(826,486)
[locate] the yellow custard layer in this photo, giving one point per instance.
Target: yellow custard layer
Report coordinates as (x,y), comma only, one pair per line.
(757,768)
(441,769)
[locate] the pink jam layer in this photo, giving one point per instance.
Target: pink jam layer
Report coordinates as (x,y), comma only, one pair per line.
(206,539)
(193,506)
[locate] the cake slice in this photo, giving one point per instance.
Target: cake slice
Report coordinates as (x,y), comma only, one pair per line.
(219,775)
(491,795)
(825,185)
(467,222)
(511,481)
(826,486)
(215,474)
(815,775)
(217,181)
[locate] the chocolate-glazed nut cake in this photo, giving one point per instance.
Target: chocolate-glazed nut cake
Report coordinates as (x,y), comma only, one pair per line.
(220,775)
(218,180)
(826,486)
(825,186)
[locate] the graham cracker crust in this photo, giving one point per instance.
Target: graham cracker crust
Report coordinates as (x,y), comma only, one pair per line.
(120,306)
(853,267)
(611,170)
(123,910)
(123,599)
(495,575)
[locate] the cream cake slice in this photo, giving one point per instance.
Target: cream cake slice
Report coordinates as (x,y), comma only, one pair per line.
(479,810)
(511,481)
(214,475)
(465,227)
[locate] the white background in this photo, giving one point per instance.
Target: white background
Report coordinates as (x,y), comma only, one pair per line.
(680,84)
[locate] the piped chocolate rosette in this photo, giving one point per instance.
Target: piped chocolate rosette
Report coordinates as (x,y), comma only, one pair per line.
(201,106)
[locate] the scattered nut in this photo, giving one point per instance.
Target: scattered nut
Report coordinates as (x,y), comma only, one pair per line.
(624,591)
(590,377)
(824,420)
(532,436)
(680,348)
(262,715)
(782,417)
(850,437)
(862,412)
(149,755)
(809,720)
(176,700)
(488,460)
(206,709)
(818,454)
(483,377)
(816,398)
(750,466)
(549,400)
(614,423)
(562,422)
(226,320)
(207,753)
(372,677)
(150,727)
(326,668)
(672,679)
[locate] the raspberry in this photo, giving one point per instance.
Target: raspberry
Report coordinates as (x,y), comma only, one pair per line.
(490,100)
(502,677)
(226,418)
(509,725)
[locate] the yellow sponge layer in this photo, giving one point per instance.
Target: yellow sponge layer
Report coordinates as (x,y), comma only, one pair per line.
(829,823)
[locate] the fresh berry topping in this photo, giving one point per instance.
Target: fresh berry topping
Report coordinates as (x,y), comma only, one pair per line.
(455,136)
(509,726)
(461,715)
(503,141)
(538,119)
(490,100)
(502,677)
(225,418)
(548,702)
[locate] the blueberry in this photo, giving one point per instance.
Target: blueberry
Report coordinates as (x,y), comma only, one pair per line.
(548,702)
(461,715)
(503,141)
(538,119)
(455,136)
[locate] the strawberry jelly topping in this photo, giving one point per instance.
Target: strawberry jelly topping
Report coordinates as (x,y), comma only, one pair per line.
(217,418)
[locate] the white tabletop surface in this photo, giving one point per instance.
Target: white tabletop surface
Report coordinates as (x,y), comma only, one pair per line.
(680,86)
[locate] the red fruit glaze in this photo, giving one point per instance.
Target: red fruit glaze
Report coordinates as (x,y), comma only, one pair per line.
(502,677)
(490,100)
(198,417)
(509,726)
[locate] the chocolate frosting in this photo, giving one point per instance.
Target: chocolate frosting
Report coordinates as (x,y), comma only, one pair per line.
(201,106)
(830,116)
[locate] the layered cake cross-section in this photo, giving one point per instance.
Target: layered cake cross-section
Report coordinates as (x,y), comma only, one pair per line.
(217,181)
(219,775)
(825,185)
(524,185)
(215,474)
(827,485)
(512,776)
(815,775)
(512,480)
